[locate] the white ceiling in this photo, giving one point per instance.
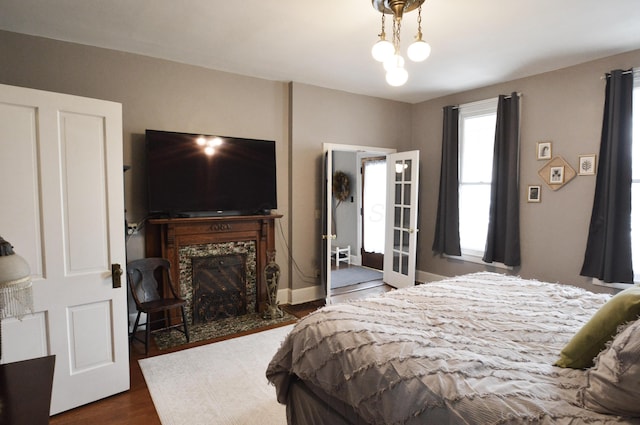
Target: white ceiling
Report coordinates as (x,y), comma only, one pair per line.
(327,42)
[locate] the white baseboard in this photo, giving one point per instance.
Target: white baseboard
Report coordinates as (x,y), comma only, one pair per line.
(300,296)
(424,277)
(314,293)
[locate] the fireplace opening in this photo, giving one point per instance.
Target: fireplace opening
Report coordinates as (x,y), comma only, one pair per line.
(219,287)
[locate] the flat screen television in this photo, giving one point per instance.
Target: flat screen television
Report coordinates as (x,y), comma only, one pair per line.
(201,175)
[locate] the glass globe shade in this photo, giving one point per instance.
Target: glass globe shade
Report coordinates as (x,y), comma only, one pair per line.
(419,50)
(397,77)
(395,61)
(382,50)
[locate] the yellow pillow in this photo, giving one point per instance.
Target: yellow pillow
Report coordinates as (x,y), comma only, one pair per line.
(602,327)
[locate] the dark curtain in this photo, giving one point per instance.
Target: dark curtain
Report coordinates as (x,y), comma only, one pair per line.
(503,235)
(608,253)
(325,240)
(447,234)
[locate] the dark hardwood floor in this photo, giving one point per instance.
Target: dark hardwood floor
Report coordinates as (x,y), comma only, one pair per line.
(135,407)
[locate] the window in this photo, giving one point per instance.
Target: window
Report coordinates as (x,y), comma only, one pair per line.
(477,124)
(635,182)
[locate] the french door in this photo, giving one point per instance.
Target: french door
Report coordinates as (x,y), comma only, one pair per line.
(402,219)
(61,164)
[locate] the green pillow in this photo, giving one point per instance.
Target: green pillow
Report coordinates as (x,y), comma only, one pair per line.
(601,328)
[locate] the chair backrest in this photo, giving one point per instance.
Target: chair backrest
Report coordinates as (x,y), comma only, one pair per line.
(144,277)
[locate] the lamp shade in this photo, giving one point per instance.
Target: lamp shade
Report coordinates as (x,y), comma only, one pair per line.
(397,77)
(382,50)
(419,51)
(16,294)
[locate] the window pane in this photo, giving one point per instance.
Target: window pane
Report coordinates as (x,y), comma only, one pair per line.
(406,218)
(407,170)
(407,194)
(405,241)
(399,171)
(477,133)
(474,216)
(477,148)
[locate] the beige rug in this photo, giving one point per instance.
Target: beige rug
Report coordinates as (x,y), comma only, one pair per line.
(222,383)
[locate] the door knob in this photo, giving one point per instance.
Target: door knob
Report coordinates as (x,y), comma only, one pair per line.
(116,275)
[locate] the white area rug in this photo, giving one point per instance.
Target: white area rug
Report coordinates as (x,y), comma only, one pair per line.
(222,383)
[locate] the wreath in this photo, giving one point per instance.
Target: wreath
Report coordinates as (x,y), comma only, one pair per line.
(341,187)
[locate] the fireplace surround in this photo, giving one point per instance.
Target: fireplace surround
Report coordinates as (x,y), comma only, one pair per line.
(181,240)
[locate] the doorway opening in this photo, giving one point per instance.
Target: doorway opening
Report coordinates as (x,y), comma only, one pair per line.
(374,198)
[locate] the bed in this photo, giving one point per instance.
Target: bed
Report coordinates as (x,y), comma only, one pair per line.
(475,349)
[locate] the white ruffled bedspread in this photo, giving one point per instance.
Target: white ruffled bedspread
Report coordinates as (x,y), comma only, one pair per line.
(475,349)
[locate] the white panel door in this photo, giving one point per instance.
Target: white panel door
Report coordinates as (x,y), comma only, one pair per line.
(402,219)
(63,210)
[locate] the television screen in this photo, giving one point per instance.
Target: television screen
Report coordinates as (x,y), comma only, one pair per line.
(196,174)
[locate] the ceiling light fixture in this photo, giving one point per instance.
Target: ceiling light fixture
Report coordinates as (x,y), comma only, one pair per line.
(389,52)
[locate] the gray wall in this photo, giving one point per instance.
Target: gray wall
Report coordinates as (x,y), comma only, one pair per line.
(563,106)
(156,94)
(164,95)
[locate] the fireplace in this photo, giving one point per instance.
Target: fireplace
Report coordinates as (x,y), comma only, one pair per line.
(218,280)
(219,287)
(182,239)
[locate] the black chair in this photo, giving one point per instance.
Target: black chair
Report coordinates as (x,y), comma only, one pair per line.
(144,277)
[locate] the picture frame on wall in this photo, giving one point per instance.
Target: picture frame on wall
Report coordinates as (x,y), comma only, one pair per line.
(556,175)
(543,150)
(587,165)
(533,193)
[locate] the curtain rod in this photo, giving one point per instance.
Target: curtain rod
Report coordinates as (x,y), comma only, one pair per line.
(506,97)
(628,71)
(517,94)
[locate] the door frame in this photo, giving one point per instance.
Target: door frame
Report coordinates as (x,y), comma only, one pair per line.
(327,150)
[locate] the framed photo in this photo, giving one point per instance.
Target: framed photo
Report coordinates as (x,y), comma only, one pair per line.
(556,175)
(543,150)
(533,194)
(587,165)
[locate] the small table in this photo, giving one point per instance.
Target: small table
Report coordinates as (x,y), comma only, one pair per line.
(25,391)
(341,254)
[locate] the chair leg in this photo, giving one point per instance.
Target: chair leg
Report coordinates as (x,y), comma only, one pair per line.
(147,336)
(184,323)
(135,328)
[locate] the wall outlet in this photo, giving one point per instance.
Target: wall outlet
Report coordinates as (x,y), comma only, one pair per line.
(132,228)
